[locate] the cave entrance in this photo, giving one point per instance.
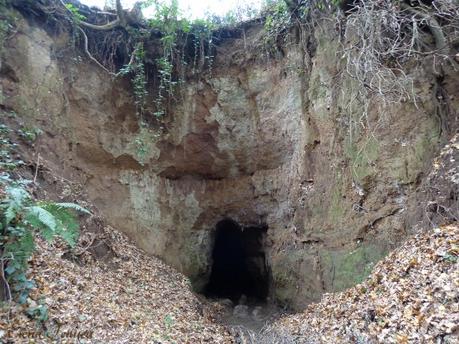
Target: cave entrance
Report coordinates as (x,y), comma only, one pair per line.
(239,263)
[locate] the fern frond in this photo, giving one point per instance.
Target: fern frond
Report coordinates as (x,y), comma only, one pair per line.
(73,206)
(67,225)
(10,213)
(17,195)
(38,217)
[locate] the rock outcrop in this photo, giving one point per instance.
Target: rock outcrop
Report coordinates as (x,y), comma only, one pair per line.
(262,141)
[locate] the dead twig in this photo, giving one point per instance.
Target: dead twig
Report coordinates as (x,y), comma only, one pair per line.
(5,286)
(37,167)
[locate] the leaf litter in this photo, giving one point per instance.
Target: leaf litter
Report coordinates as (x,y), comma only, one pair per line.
(130,298)
(412,296)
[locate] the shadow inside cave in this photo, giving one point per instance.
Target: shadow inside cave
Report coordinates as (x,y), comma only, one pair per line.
(239,265)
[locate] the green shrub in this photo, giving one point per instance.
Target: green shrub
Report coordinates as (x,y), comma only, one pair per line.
(20,219)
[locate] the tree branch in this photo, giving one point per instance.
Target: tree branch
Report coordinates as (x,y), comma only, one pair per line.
(106,13)
(106,27)
(120,21)
(120,12)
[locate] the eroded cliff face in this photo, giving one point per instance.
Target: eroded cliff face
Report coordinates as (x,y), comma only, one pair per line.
(264,142)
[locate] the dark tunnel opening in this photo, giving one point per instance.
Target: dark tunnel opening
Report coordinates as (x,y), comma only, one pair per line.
(239,263)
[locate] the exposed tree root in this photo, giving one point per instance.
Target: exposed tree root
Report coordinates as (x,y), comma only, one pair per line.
(120,21)
(86,50)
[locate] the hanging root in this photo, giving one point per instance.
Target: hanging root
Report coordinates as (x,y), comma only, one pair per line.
(88,54)
(120,21)
(386,35)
